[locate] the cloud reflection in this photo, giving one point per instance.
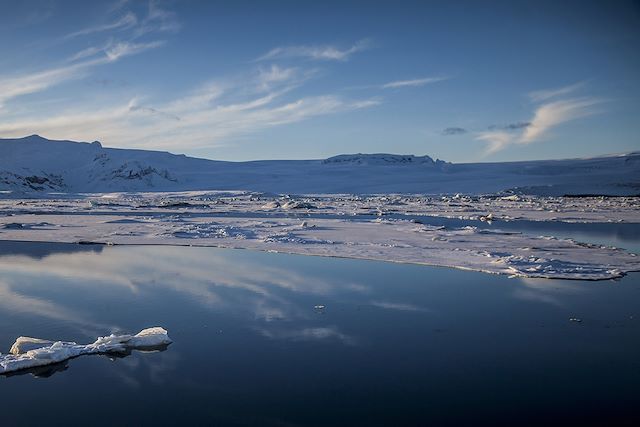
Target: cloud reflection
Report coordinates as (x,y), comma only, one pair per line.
(223,280)
(309,334)
(546,291)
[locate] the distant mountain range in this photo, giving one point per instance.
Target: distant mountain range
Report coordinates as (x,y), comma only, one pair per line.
(37,165)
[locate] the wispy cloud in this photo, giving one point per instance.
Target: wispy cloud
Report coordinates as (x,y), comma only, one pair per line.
(122,49)
(79,65)
(157,20)
(118,5)
(206,117)
(412,83)
(324,53)
(399,84)
(15,86)
(88,52)
(115,50)
(552,114)
(497,140)
(209,115)
(547,116)
(128,20)
(545,94)
(276,76)
(154,19)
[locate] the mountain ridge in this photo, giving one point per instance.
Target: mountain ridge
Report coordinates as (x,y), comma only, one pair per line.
(35,164)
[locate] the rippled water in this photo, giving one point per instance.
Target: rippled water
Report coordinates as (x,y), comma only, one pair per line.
(394,344)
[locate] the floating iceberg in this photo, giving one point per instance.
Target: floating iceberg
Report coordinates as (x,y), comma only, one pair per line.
(29,352)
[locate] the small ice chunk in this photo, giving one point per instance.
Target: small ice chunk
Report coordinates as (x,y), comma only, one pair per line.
(271,205)
(297,204)
(487,218)
(150,337)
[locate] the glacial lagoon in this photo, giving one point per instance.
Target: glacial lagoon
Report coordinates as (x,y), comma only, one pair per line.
(277,339)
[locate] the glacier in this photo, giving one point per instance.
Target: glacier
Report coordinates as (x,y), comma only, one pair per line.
(37,165)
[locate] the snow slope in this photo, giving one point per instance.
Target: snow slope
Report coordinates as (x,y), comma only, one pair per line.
(35,164)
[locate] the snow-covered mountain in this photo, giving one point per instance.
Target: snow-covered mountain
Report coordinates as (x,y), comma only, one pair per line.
(382,159)
(36,164)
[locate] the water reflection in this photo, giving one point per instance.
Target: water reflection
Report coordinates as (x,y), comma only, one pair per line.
(49,370)
(208,278)
(622,235)
(43,249)
(41,371)
(392,344)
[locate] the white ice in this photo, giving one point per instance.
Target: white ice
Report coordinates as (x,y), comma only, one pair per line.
(29,352)
(387,228)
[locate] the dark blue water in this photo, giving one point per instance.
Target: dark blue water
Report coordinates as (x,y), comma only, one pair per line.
(394,345)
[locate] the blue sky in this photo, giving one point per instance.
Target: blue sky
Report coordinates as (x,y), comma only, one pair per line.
(241,80)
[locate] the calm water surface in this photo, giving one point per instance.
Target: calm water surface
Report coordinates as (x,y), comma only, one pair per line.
(394,345)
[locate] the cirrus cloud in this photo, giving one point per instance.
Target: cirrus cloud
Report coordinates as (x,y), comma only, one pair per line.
(547,116)
(552,114)
(319,53)
(412,83)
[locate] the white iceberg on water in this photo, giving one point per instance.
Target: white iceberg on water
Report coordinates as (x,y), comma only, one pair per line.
(29,352)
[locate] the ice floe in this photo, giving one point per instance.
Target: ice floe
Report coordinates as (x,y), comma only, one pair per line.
(29,352)
(463,231)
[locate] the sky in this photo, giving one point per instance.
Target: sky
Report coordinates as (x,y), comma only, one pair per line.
(246,80)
